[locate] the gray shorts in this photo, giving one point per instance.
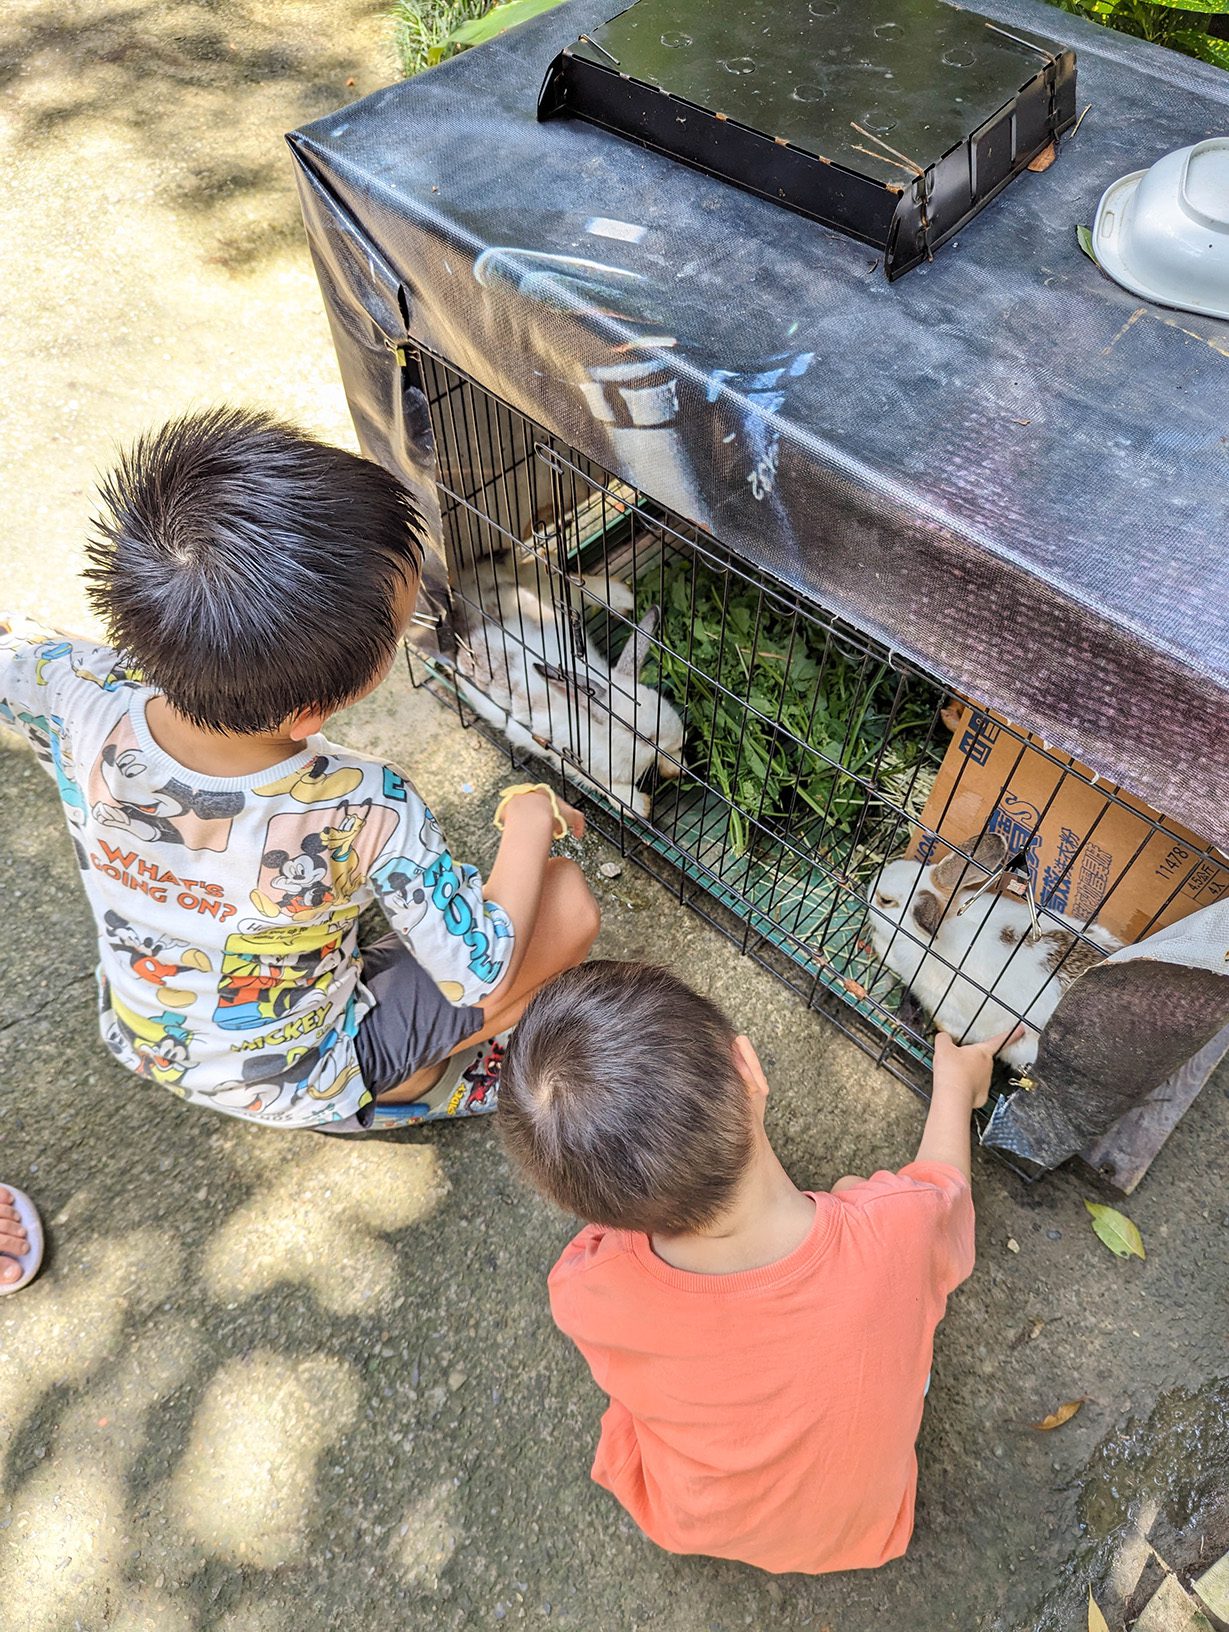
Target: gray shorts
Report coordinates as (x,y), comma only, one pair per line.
(412,1025)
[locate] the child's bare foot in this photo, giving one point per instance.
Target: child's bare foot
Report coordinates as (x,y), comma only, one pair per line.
(21,1239)
(13,1241)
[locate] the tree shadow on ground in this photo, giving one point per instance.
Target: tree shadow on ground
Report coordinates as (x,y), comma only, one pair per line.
(276,1383)
(202,92)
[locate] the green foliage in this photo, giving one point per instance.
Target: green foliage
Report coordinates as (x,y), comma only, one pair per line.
(1197,44)
(1192,26)
(500,18)
(428,31)
(775,709)
(422,30)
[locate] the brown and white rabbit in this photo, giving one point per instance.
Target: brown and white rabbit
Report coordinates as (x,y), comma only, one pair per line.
(951,945)
(515,672)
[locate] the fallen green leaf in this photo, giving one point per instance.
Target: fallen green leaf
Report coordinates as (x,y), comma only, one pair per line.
(1118,1232)
(1096,1621)
(1084,239)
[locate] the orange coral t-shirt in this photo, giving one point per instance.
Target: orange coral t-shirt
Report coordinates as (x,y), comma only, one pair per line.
(770,1415)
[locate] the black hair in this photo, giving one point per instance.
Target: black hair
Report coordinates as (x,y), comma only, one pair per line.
(250,571)
(620,1101)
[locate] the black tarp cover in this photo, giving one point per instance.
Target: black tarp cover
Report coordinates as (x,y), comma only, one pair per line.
(1003,466)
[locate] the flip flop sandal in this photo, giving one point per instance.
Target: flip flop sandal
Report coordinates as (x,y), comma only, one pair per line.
(32,1258)
(477,1094)
(469,1087)
(433,1107)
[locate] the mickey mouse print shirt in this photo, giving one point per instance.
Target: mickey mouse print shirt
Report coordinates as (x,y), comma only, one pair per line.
(227,908)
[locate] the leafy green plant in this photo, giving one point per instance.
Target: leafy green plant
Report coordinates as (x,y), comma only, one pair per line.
(428,31)
(1200,28)
(778,714)
(499,19)
(422,30)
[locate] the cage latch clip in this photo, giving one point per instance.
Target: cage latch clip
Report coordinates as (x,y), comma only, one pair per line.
(399,348)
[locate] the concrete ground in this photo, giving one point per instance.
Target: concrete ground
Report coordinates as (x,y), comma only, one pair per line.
(279,1382)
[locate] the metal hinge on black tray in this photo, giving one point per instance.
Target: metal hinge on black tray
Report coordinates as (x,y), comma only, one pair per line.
(893,121)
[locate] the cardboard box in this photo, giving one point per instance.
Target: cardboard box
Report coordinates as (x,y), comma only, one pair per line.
(1087,852)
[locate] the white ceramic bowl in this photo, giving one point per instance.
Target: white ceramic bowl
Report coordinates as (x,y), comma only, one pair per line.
(1164,233)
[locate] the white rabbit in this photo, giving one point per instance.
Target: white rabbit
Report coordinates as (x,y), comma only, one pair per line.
(515,671)
(928,922)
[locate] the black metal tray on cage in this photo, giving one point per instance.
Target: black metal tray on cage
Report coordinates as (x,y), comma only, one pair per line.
(894,121)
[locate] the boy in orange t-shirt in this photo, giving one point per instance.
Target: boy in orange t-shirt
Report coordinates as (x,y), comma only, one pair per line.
(765,1349)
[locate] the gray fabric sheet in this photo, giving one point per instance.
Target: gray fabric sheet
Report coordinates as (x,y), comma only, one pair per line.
(1003,466)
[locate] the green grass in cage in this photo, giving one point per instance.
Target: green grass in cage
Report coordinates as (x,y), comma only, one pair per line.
(838,705)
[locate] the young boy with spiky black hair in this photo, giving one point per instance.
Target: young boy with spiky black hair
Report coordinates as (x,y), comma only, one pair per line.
(255,581)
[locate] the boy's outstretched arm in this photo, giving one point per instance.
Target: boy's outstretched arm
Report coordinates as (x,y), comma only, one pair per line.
(961,1084)
(516,879)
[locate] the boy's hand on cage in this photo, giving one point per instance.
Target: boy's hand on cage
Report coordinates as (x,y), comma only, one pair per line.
(968,1066)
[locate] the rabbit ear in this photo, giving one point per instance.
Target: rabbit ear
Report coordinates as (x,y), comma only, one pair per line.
(588,684)
(988,854)
(552,671)
(992,852)
(639,645)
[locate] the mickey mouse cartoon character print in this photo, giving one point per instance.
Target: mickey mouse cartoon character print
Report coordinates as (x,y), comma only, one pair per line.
(317,858)
(123,796)
(435,906)
(227,907)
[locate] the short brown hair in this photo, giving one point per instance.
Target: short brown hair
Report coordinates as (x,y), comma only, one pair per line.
(620,1101)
